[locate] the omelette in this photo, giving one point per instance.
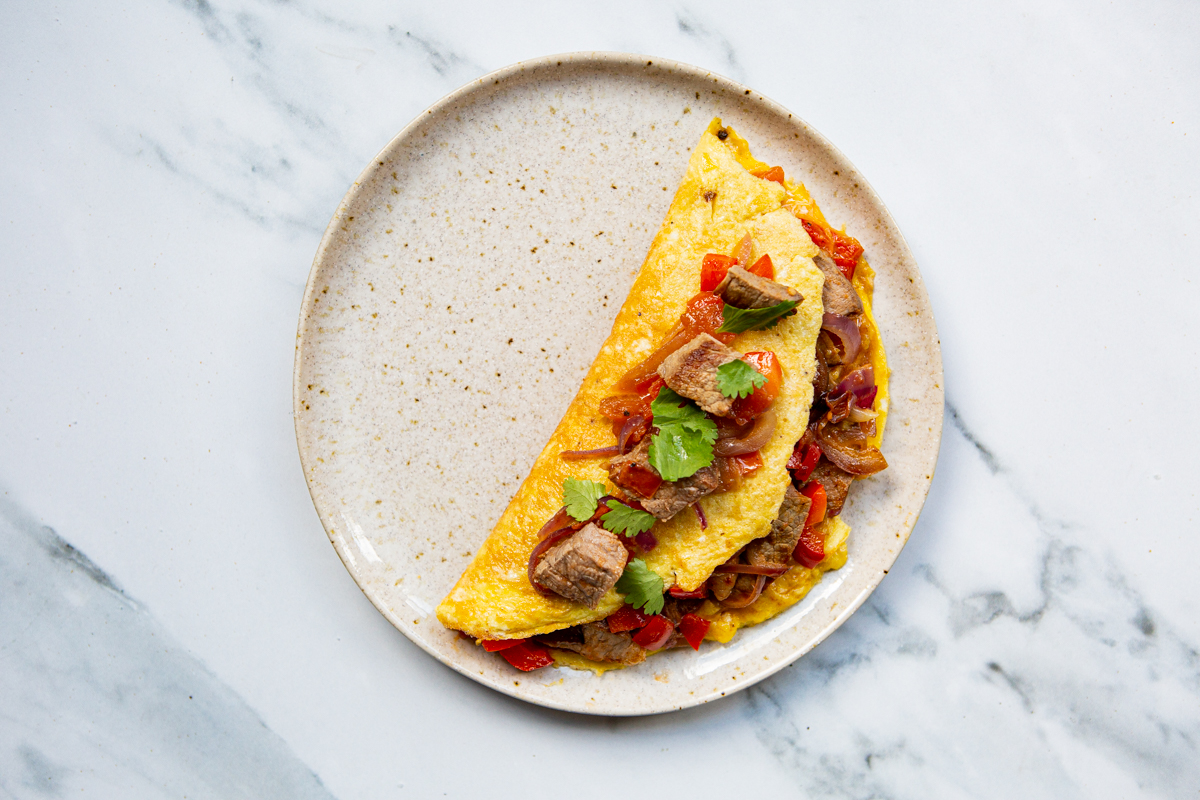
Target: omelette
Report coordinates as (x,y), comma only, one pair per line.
(695,482)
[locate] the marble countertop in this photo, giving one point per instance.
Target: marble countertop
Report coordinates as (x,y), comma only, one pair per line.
(173,620)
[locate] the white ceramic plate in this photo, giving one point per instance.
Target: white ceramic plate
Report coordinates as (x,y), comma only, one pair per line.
(459,295)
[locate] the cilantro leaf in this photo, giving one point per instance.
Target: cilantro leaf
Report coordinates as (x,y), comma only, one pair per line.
(580,497)
(626,519)
(678,453)
(738,379)
(738,320)
(683,445)
(669,407)
(642,587)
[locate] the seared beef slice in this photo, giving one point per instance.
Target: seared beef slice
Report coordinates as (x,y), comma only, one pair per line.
(777,546)
(584,567)
(671,497)
(837,486)
(692,372)
(595,641)
(838,295)
(600,644)
(744,289)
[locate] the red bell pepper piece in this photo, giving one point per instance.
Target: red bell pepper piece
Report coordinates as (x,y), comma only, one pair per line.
(693,629)
(705,313)
(496,645)
(527,656)
(626,618)
(700,593)
(746,464)
(845,251)
(816,512)
(638,478)
(655,634)
(713,269)
(819,235)
(810,549)
(772,174)
(763,268)
(649,389)
(767,363)
(803,462)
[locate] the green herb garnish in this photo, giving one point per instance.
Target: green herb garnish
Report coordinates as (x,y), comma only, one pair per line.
(683,445)
(581,497)
(642,587)
(626,519)
(738,379)
(738,320)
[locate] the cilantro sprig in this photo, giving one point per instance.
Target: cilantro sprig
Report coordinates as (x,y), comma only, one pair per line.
(642,587)
(684,443)
(739,379)
(626,519)
(739,320)
(581,497)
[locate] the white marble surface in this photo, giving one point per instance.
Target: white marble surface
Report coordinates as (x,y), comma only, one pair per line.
(185,629)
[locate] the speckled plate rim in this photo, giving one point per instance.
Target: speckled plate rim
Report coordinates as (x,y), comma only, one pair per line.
(608,59)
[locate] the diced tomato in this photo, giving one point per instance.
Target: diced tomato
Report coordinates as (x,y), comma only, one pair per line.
(705,313)
(648,390)
(527,656)
(810,549)
(638,479)
(747,408)
(818,234)
(803,461)
(816,512)
(626,618)
(772,174)
(700,593)
(655,634)
(713,269)
(747,463)
(693,629)
(845,250)
(496,645)
(763,268)
(620,407)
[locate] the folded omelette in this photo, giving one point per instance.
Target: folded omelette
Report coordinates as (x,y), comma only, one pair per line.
(739,214)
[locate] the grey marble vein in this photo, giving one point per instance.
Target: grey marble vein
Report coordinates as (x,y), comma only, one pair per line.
(1084,687)
(691,26)
(96,696)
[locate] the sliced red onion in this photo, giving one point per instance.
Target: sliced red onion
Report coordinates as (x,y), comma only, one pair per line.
(731,476)
(600,452)
(770,570)
(846,331)
(634,425)
(861,414)
(700,515)
(749,597)
(539,551)
(646,541)
(844,453)
(561,519)
(867,398)
(861,382)
(759,435)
